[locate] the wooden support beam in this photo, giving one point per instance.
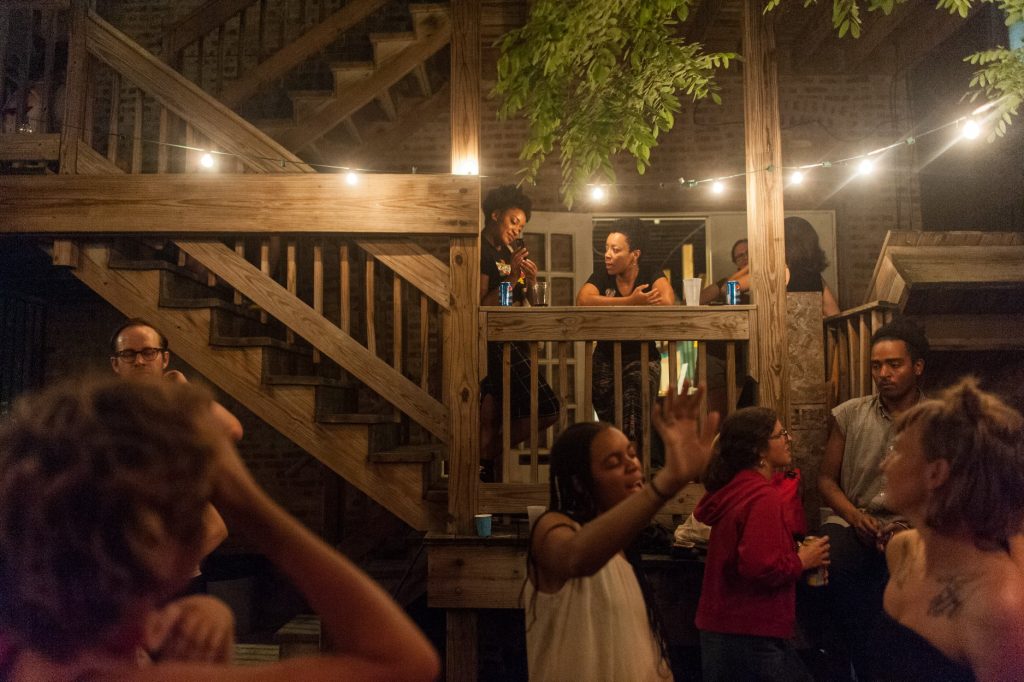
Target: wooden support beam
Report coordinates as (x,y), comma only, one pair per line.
(465,86)
(763,140)
(200,22)
(414,264)
(75,92)
(248,202)
(17,147)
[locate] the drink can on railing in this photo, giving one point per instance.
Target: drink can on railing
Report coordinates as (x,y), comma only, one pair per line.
(505,293)
(732,292)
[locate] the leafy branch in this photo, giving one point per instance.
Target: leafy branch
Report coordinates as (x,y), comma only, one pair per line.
(598,78)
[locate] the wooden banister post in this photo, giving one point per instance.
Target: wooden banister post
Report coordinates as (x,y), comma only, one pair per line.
(763,138)
(75,88)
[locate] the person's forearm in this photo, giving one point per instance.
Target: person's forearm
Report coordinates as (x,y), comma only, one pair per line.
(598,299)
(835,498)
(361,618)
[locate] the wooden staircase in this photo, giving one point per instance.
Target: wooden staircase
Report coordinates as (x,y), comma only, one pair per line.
(219,27)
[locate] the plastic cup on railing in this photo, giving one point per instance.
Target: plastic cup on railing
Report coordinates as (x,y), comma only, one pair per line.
(483,525)
(540,293)
(691,290)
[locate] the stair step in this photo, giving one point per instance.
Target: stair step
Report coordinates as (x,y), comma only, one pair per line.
(275,127)
(387,45)
(427,17)
(408,453)
(306,103)
(347,73)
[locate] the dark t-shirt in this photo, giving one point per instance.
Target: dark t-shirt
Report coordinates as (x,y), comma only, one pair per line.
(606,286)
(496,263)
(803,280)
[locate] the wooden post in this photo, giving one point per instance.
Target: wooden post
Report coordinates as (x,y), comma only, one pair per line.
(764,204)
(465,86)
(74,101)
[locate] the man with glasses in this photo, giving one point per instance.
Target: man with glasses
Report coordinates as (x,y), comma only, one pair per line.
(716,291)
(852,484)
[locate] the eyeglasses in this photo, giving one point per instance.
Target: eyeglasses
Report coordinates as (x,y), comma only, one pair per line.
(148,354)
(784,433)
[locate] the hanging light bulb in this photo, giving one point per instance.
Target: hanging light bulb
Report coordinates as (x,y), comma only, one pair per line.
(865,167)
(351,178)
(206,161)
(796,178)
(971,130)
(597,193)
(717,187)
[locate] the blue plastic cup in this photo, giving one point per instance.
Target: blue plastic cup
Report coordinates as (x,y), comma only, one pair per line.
(483,525)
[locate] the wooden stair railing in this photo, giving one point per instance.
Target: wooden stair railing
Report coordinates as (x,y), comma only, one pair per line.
(848,349)
(241,369)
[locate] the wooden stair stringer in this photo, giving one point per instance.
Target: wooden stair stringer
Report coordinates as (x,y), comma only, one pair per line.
(287,409)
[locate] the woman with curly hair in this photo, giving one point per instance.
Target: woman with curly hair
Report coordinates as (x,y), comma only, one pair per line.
(747,609)
(587,614)
(103,487)
(954,605)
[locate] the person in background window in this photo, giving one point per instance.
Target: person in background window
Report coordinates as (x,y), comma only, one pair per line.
(716,292)
(504,258)
(805,261)
(103,487)
(954,604)
(625,281)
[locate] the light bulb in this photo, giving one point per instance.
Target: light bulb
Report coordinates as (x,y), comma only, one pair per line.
(717,187)
(597,193)
(865,167)
(971,130)
(352,178)
(796,178)
(206,161)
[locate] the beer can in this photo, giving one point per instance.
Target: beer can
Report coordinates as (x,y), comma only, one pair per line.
(505,293)
(732,293)
(817,577)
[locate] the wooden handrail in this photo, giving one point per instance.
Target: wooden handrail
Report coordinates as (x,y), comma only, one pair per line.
(867,307)
(322,335)
(200,22)
(226,131)
(572,323)
(299,50)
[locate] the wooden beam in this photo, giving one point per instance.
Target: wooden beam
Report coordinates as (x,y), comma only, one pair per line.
(75,93)
(571,323)
(226,130)
(475,574)
(973,332)
(465,86)
(299,50)
(967,266)
(763,144)
(255,203)
(321,334)
(386,144)
(363,92)
(461,379)
(414,264)
(18,147)
(91,162)
(200,22)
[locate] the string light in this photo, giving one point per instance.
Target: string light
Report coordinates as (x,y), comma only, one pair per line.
(206,161)
(971,130)
(796,177)
(597,193)
(865,167)
(717,187)
(351,178)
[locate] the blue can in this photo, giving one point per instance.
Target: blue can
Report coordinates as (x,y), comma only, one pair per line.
(732,293)
(505,293)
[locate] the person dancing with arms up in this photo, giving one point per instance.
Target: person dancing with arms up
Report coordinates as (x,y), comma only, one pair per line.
(586,615)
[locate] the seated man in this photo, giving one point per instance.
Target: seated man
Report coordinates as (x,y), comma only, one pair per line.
(103,487)
(852,484)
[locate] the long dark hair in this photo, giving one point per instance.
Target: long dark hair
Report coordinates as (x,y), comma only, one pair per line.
(743,438)
(571,484)
(803,252)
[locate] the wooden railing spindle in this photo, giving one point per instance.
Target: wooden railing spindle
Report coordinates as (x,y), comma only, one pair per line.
(563,385)
(396,310)
(115,115)
(702,375)
(371,327)
(730,377)
(162,156)
(291,281)
(424,342)
(240,250)
(673,365)
(645,407)
(137,134)
(318,286)
(588,380)
(220,59)
(506,412)
(344,282)
(264,268)
(534,425)
(617,375)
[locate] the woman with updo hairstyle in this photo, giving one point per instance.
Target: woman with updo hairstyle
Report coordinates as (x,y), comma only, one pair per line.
(954,605)
(589,615)
(747,609)
(103,487)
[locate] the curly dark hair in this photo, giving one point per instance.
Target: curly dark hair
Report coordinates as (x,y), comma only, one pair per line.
(503,198)
(632,229)
(95,478)
(907,331)
(743,438)
(982,438)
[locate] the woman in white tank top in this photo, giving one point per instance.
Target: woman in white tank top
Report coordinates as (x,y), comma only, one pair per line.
(586,616)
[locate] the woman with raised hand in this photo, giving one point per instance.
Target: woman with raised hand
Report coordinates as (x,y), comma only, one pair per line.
(587,617)
(103,486)
(954,605)
(747,609)
(625,281)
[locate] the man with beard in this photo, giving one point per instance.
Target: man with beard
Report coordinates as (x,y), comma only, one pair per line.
(852,484)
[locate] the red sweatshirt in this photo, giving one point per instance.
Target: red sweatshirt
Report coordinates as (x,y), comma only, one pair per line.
(752,566)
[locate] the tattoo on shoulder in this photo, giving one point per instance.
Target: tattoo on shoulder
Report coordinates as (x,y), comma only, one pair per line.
(951,598)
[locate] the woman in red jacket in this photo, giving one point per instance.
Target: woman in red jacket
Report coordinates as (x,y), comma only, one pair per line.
(747,606)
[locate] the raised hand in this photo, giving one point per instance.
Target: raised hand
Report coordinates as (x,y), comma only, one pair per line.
(197,628)
(687,452)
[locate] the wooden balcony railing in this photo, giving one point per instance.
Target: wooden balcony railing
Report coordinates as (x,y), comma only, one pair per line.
(562,340)
(848,349)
